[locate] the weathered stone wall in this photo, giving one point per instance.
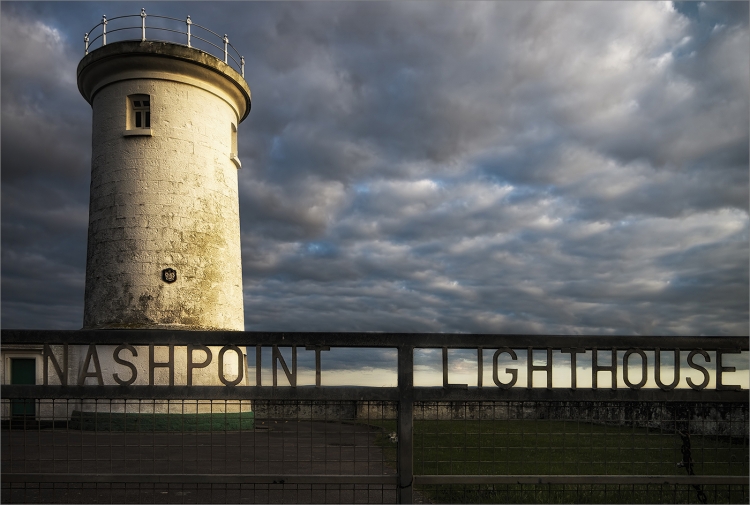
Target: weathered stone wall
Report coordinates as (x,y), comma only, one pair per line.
(164,201)
(333,411)
(722,419)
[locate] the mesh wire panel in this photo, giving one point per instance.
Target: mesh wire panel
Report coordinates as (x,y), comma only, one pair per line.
(582,493)
(116,451)
(199,443)
(580,439)
(195,493)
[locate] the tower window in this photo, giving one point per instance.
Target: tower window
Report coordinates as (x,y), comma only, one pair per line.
(233,154)
(234,140)
(139,115)
(141,111)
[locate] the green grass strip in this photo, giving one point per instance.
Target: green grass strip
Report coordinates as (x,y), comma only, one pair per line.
(143,422)
(557,447)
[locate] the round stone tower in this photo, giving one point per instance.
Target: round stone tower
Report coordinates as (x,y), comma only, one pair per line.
(164,230)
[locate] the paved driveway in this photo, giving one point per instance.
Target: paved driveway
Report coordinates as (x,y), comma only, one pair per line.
(283,448)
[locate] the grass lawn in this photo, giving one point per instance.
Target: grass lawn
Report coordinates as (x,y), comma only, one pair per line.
(554,447)
(140,422)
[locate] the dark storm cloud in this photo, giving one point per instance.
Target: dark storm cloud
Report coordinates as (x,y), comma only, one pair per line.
(489,167)
(45,166)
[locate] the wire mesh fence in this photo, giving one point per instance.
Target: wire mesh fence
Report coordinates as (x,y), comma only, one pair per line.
(211,451)
(583,493)
(70,434)
(194,493)
(579,442)
(272,451)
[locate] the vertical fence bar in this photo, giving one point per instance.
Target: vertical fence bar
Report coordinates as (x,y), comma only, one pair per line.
(104,30)
(405,458)
(188,22)
(86,42)
(226,43)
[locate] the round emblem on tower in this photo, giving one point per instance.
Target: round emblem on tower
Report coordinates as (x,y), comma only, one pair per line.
(169,275)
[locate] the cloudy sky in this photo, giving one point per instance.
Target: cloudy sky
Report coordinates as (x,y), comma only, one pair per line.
(484,167)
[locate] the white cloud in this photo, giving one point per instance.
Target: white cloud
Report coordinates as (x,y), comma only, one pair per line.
(35,50)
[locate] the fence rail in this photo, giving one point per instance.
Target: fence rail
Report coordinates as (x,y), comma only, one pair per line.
(493,442)
(227,50)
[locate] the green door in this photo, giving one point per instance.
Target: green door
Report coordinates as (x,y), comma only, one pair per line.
(23,371)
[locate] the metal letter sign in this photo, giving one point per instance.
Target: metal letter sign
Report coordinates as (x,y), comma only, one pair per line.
(643,367)
(601,367)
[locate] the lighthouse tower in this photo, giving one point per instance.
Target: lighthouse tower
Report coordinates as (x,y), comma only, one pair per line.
(164,230)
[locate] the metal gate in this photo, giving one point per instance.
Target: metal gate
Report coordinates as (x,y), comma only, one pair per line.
(515,439)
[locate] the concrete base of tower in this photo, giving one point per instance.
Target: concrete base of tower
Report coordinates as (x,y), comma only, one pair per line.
(175,407)
(158,326)
(160,365)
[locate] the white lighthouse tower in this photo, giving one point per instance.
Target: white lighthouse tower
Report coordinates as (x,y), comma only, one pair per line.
(164,228)
(164,231)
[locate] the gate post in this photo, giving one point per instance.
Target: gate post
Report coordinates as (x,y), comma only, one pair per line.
(405,459)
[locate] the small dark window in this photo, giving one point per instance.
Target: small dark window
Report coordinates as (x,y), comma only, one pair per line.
(140,112)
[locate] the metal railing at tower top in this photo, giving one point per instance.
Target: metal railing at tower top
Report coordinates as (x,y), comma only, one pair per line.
(166,32)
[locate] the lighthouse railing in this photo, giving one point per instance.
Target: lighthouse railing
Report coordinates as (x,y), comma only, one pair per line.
(214,43)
